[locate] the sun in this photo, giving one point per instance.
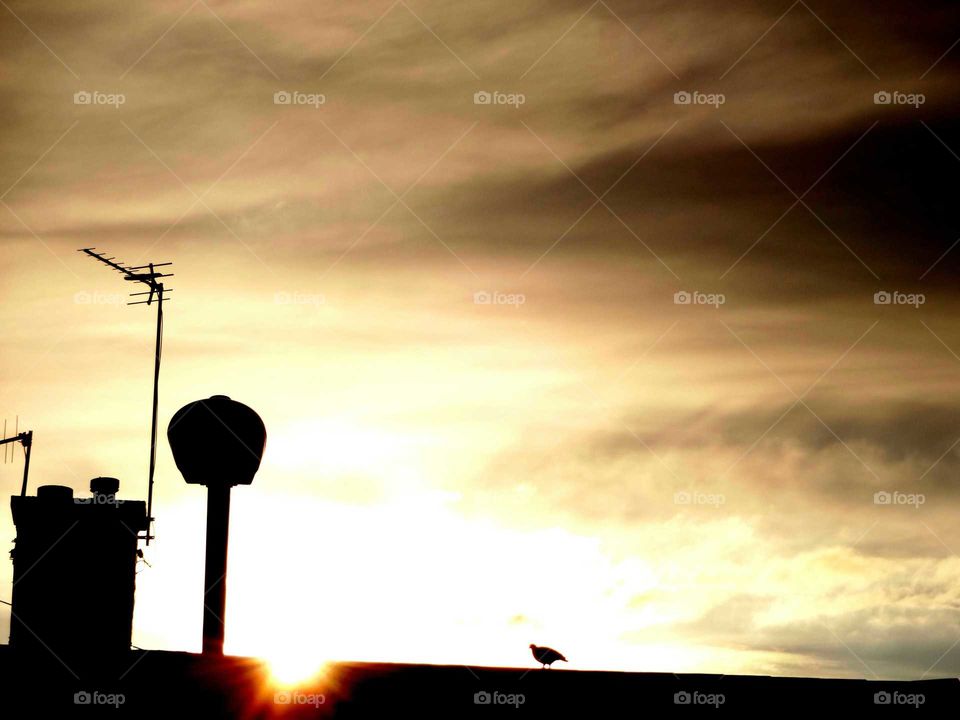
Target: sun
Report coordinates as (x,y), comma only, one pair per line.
(294,666)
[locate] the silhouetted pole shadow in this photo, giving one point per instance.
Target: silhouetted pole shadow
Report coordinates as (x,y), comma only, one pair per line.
(215,572)
(218,443)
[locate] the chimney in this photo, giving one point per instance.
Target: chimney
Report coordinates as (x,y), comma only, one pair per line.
(74,567)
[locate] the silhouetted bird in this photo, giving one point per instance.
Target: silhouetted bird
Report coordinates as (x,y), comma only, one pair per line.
(545,656)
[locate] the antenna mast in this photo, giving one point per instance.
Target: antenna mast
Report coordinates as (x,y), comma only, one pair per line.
(147,275)
(25,439)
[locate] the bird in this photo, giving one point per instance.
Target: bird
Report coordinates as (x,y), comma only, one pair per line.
(545,656)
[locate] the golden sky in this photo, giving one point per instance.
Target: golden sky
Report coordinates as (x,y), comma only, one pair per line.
(586,461)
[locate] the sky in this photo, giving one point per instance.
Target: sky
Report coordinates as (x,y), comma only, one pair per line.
(624,328)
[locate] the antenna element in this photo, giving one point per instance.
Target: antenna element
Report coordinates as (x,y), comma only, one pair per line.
(147,275)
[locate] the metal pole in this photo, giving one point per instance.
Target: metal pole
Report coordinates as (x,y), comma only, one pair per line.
(27,442)
(215,573)
(153,426)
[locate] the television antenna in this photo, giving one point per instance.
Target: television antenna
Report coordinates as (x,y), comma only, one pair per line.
(24,438)
(155,292)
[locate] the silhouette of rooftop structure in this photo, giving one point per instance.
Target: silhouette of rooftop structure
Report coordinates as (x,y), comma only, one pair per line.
(74,564)
(168,684)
